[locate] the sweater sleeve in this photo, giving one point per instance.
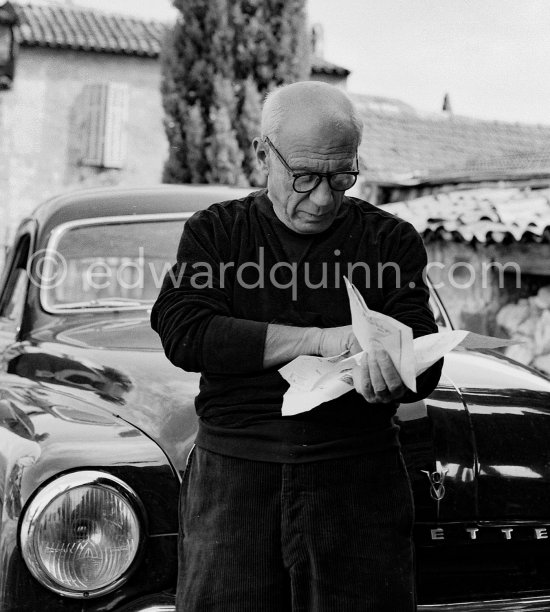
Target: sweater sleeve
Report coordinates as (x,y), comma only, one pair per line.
(406,296)
(192,313)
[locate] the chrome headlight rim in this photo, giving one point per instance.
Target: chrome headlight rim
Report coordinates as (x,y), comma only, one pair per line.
(49,492)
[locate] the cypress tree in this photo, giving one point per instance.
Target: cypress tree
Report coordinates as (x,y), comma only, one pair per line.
(218,62)
(224,156)
(194,144)
(222,152)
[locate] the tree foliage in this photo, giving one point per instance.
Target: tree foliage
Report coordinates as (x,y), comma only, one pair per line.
(218,62)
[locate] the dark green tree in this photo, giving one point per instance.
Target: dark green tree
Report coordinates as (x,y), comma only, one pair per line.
(218,62)
(194,144)
(223,154)
(222,151)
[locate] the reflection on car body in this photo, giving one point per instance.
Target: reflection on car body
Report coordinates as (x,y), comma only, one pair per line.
(96,426)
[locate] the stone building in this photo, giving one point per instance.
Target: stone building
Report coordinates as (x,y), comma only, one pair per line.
(85,106)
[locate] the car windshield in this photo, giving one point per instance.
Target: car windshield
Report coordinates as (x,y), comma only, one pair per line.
(110,265)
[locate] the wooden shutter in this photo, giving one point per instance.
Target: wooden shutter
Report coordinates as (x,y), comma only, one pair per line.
(104,131)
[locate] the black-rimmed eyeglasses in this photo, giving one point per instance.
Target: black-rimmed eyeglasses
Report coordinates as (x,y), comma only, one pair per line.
(304,182)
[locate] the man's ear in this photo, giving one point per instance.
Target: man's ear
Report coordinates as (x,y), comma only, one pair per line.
(260,151)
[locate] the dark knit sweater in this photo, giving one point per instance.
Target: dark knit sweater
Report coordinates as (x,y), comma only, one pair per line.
(213,320)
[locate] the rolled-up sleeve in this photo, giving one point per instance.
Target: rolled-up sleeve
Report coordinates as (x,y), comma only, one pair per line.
(192,313)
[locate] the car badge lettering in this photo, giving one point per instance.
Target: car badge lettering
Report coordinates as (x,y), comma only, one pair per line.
(487,533)
(541,533)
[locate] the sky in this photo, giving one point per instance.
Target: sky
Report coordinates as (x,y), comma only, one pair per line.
(491,56)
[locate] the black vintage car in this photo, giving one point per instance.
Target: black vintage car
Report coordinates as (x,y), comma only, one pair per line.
(96,426)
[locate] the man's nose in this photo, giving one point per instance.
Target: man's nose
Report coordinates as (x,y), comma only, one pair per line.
(322,196)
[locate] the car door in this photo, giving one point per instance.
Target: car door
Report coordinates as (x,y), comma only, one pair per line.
(438,447)
(510,411)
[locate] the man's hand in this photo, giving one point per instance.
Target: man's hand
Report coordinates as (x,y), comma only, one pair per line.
(376,378)
(336,340)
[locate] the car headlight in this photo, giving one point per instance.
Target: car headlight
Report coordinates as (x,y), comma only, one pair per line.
(81,533)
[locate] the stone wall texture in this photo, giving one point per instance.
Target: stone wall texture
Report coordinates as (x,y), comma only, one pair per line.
(498,290)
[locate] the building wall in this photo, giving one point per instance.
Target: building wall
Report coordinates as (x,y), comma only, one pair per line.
(469,291)
(501,290)
(38,132)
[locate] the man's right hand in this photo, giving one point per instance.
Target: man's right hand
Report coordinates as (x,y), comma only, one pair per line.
(376,378)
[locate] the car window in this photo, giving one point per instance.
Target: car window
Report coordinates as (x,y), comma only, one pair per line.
(111,264)
(12,299)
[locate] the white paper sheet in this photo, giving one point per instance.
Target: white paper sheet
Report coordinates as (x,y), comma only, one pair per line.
(315,380)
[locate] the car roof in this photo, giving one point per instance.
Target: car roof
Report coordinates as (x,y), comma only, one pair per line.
(114,201)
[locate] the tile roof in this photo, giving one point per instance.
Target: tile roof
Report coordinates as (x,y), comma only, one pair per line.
(81,29)
(402,145)
(320,65)
(528,164)
(483,215)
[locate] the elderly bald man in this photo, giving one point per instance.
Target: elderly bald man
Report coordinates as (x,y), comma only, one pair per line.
(311,512)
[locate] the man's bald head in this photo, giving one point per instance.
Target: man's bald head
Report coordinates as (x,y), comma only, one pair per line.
(313,103)
(308,128)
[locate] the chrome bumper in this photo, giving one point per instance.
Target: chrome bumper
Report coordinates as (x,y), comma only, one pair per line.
(153,608)
(531,604)
(159,602)
(524,604)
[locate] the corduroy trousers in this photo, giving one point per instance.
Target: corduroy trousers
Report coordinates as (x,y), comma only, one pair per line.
(323,536)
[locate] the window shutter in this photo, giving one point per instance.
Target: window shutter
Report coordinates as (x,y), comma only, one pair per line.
(94,124)
(105,125)
(116,120)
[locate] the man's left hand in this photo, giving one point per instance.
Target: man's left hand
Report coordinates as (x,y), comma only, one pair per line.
(376,378)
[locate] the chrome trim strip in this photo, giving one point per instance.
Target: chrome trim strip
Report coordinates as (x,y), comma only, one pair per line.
(533,604)
(152,608)
(158,602)
(523,604)
(55,237)
(50,492)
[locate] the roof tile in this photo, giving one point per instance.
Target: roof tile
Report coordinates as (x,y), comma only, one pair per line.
(319,64)
(74,28)
(404,146)
(482,215)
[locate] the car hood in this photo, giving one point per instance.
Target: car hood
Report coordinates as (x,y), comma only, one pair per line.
(116,363)
(488,370)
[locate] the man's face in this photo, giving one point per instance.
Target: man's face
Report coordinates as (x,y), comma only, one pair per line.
(318,150)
